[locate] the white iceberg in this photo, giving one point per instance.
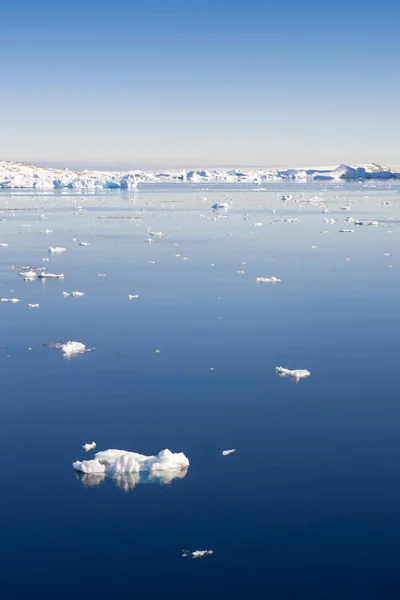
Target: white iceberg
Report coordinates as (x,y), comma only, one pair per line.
(268,280)
(120,461)
(3,245)
(77,294)
(295,374)
(84,244)
(196,553)
(227,452)
(70,348)
(57,249)
(88,447)
(28,274)
(51,275)
(12,300)
(33,305)
(133,296)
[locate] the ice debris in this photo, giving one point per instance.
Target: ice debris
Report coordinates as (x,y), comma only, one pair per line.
(77,294)
(84,244)
(226,452)
(196,553)
(221,205)
(57,249)
(133,296)
(51,275)
(88,447)
(295,374)
(268,280)
(70,348)
(3,245)
(12,300)
(33,305)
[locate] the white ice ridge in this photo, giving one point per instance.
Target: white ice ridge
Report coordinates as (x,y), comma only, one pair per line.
(21,175)
(268,280)
(121,461)
(295,374)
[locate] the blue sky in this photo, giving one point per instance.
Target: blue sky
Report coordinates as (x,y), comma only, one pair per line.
(204,83)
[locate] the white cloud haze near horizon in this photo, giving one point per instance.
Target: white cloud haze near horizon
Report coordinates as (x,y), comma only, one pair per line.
(178,87)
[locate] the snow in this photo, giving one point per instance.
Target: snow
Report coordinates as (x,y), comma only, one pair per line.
(21,175)
(295,374)
(165,466)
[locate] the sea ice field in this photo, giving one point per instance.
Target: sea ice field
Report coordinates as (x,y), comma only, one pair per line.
(181,381)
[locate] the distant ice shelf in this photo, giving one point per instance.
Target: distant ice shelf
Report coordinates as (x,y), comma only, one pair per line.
(21,175)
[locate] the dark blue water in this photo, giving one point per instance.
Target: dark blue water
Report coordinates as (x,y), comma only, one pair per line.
(308,506)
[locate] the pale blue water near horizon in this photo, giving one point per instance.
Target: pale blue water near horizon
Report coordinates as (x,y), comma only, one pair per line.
(307,506)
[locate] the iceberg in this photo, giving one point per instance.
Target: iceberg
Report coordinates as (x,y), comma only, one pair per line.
(88,447)
(70,348)
(57,249)
(51,275)
(165,466)
(227,452)
(12,300)
(196,553)
(295,374)
(268,280)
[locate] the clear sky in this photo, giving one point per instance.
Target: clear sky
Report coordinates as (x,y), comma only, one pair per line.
(171,83)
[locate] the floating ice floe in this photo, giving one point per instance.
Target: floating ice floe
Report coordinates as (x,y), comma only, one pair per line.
(3,245)
(77,294)
(88,447)
(33,305)
(51,275)
(12,300)
(164,467)
(156,233)
(268,280)
(84,244)
(196,553)
(295,374)
(57,249)
(133,296)
(28,274)
(226,452)
(70,348)
(258,224)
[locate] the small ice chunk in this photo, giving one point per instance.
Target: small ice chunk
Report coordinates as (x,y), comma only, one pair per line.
(33,305)
(57,249)
(196,553)
(70,348)
(226,452)
(288,197)
(12,300)
(156,233)
(88,447)
(295,374)
(3,245)
(258,224)
(66,294)
(268,280)
(51,275)
(84,244)
(157,351)
(133,296)
(77,294)
(27,274)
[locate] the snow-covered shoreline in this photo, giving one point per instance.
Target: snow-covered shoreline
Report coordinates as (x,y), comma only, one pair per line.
(19,175)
